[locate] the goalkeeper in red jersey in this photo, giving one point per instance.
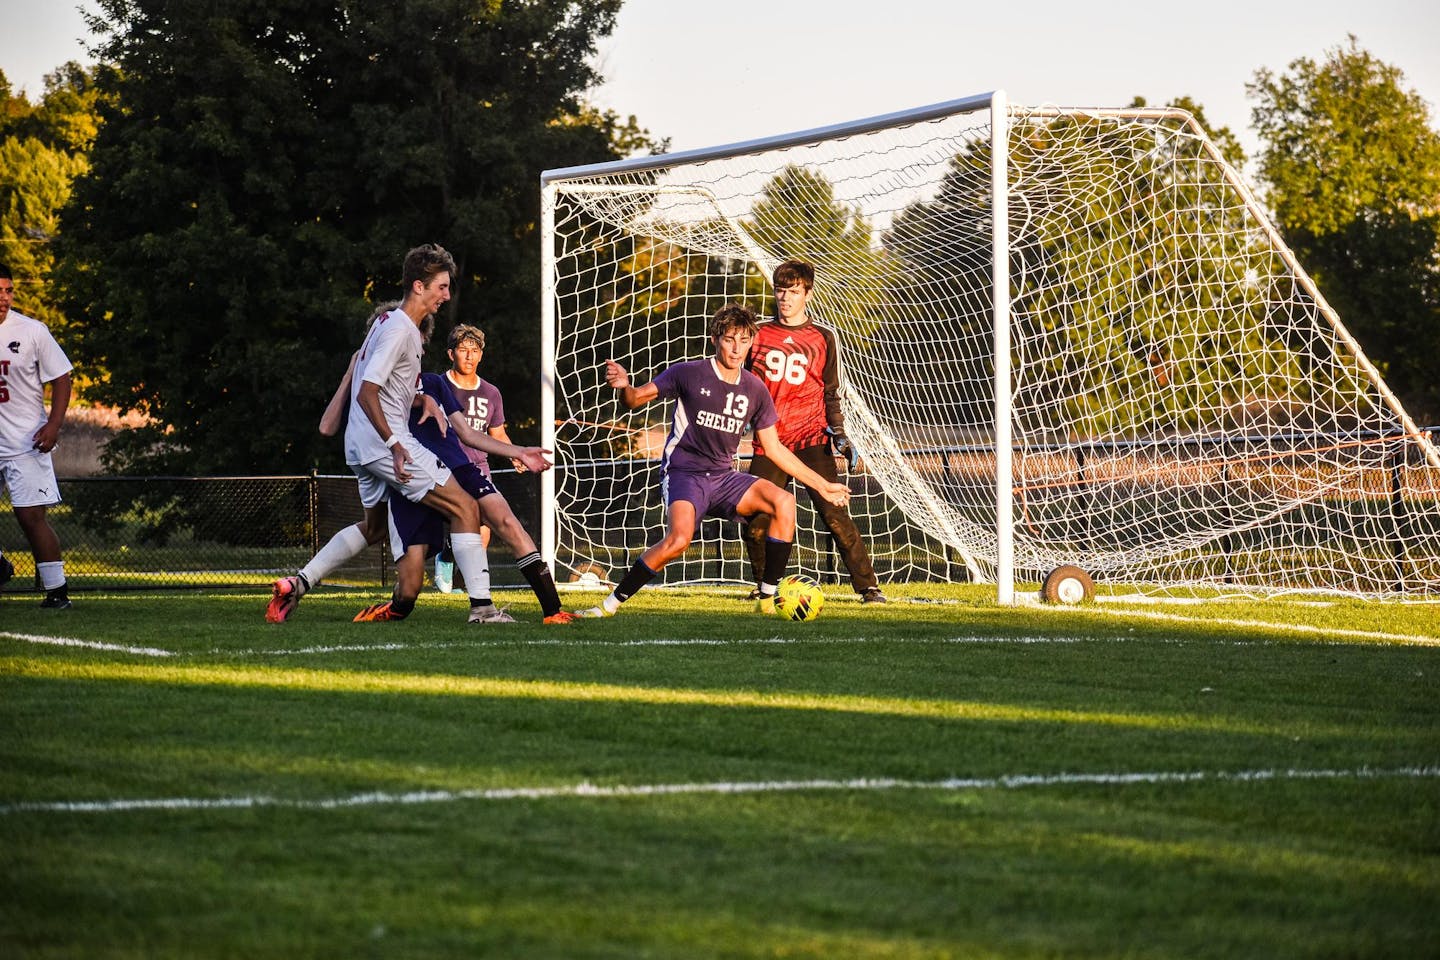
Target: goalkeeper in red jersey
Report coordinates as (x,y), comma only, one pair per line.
(796,359)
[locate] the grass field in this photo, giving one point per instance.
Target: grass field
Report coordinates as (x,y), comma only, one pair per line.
(928,779)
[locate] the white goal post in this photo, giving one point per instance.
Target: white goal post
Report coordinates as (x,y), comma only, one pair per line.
(1067,337)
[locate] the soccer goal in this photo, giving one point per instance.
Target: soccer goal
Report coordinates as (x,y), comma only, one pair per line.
(1069,337)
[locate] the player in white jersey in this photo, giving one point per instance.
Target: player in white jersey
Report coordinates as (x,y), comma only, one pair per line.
(29,360)
(378,444)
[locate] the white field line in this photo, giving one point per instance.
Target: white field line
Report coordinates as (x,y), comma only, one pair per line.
(519,642)
(586,790)
(402,646)
(90,644)
(1297,628)
(650,642)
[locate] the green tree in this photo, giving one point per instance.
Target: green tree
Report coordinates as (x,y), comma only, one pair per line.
(34,184)
(43,147)
(261,169)
(1351,166)
(66,118)
(1223,137)
(797,216)
(1127,319)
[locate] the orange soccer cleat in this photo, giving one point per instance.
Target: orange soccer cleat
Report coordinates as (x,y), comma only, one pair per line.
(378,612)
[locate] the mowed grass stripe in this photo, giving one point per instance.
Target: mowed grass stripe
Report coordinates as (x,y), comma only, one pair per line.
(350,681)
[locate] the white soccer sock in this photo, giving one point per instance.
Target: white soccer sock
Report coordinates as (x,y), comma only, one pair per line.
(341,549)
(52,573)
(474,563)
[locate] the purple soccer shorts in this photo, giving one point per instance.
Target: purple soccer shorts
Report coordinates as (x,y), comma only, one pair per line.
(715,494)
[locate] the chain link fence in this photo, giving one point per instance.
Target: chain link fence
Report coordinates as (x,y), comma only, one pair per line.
(175,533)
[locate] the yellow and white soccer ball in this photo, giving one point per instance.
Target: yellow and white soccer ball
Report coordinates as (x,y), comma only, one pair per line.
(797,598)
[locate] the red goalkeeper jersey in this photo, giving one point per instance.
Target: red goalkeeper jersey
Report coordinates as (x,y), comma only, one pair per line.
(799,367)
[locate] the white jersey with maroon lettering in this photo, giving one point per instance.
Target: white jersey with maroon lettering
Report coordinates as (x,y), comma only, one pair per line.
(390,359)
(29,359)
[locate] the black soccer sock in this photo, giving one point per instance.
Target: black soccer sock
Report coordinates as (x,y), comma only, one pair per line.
(777,556)
(537,574)
(639,575)
(401,608)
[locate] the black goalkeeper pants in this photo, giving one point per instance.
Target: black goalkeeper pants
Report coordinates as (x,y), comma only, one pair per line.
(836,519)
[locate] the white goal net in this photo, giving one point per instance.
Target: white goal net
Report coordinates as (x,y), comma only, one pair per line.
(1174,405)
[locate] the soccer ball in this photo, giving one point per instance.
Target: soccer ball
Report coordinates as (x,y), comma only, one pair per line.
(797,598)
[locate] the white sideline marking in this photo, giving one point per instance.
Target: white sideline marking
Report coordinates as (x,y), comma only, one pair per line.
(795,641)
(568,642)
(650,642)
(740,642)
(90,644)
(586,790)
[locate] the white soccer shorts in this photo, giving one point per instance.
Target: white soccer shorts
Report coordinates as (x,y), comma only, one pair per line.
(30,478)
(427,472)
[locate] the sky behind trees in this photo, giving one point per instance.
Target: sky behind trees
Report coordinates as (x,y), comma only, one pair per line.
(704,74)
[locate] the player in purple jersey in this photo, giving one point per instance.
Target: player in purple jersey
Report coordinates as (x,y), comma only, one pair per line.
(717,400)
(480,402)
(484,409)
(351,540)
(416,531)
(377,436)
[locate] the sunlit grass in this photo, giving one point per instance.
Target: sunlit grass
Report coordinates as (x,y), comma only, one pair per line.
(1108,780)
(375,682)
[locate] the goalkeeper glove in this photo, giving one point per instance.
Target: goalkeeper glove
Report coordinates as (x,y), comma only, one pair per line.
(842,447)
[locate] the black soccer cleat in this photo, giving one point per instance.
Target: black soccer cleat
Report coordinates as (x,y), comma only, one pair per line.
(57,599)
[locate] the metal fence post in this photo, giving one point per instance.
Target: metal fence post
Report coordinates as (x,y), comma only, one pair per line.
(314,512)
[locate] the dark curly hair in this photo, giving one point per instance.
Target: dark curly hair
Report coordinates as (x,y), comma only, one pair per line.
(733,316)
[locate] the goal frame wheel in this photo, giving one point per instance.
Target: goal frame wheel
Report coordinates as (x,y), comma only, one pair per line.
(578,574)
(1067,584)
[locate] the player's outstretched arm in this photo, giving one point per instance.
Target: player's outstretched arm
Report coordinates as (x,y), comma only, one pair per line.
(630,395)
(499,433)
(534,458)
(780,455)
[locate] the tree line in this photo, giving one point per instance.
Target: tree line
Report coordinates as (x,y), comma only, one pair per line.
(207,216)
(256,171)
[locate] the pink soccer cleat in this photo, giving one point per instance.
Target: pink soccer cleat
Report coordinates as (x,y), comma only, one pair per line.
(284,598)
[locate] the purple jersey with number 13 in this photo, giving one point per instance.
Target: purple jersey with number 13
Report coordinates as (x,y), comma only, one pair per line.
(710,415)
